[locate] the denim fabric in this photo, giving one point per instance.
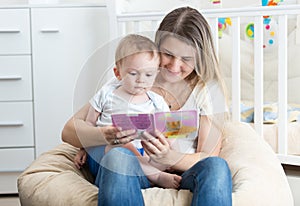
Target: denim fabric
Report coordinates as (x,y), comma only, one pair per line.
(210,182)
(95,155)
(120,179)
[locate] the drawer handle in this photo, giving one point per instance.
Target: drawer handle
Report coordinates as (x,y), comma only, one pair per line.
(11,124)
(10,77)
(49,30)
(14,31)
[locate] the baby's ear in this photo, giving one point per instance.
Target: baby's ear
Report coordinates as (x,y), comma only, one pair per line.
(117,73)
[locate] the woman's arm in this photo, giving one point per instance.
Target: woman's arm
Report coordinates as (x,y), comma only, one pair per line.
(209,142)
(76,128)
(209,136)
(92,116)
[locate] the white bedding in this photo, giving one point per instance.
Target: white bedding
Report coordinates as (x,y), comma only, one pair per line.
(270,127)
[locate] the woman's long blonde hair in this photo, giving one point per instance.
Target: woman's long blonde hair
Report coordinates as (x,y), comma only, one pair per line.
(188,25)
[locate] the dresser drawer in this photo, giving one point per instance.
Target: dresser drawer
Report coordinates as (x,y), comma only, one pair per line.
(15,78)
(14,31)
(13,160)
(8,183)
(16,124)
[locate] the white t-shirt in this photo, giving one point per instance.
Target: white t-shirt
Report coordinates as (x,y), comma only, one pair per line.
(208,100)
(107,103)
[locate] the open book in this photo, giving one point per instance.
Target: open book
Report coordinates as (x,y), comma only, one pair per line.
(173,124)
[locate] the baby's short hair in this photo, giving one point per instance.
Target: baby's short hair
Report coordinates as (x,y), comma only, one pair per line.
(134,44)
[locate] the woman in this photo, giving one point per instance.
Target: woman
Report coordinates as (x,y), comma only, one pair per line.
(189,78)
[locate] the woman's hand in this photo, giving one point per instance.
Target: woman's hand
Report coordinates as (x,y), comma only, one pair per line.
(116,136)
(158,149)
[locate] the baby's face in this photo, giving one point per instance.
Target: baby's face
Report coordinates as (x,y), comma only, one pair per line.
(138,72)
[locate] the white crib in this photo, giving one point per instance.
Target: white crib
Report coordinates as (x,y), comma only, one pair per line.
(123,23)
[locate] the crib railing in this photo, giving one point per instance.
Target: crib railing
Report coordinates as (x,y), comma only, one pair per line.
(119,26)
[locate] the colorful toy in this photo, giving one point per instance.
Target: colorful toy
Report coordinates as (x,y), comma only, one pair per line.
(250,30)
(222,24)
(269,25)
(216,1)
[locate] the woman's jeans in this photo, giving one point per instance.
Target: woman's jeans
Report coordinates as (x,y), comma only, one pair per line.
(120,179)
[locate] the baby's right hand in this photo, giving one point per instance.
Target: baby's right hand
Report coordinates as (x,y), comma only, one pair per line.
(117,136)
(80,158)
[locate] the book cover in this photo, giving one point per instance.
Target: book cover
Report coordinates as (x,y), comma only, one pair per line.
(173,124)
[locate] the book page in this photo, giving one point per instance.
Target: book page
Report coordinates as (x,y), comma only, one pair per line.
(173,124)
(139,122)
(177,124)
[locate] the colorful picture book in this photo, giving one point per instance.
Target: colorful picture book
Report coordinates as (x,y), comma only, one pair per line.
(173,124)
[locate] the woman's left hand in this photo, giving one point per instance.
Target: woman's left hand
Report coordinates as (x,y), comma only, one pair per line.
(158,149)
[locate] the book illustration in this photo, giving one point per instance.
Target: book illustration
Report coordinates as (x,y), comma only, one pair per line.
(173,124)
(177,124)
(139,122)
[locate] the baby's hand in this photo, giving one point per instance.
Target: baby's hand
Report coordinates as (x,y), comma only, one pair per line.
(117,136)
(80,158)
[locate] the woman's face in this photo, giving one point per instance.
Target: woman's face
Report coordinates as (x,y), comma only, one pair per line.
(177,59)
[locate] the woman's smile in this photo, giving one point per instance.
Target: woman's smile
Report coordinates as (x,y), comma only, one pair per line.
(177,59)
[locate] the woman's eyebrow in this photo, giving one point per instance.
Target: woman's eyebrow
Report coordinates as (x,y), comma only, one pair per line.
(164,50)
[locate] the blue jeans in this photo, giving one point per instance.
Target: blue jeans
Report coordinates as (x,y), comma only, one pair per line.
(210,182)
(120,179)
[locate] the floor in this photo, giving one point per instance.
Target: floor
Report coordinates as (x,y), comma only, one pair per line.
(293,176)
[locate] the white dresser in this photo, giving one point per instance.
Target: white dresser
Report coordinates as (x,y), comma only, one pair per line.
(42,51)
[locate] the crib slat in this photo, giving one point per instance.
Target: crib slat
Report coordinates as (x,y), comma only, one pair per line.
(236,69)
(298,29)
(282,85)
(136,27)
(113,21)
(258,75)
(154,24)
(213,22)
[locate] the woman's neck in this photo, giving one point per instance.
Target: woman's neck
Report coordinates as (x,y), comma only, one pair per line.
(174,93)
(169,86)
